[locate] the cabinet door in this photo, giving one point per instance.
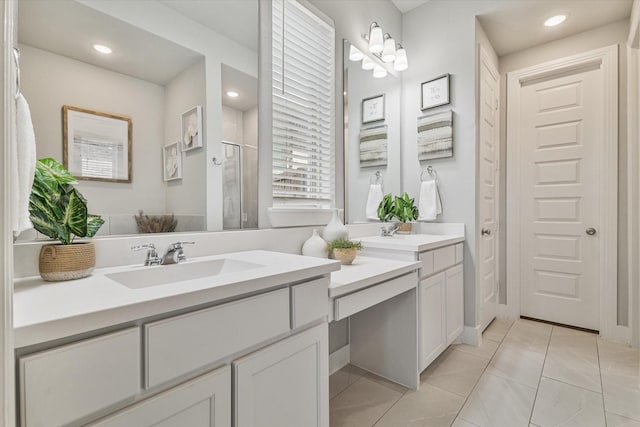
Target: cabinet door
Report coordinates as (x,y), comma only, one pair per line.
(432,319)
(285,384)
(455,303)
(203,402)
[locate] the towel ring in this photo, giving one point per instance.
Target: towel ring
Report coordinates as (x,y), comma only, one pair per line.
(429,174)
(376,178)
(16,58)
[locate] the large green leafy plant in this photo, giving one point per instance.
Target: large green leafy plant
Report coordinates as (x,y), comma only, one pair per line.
(57,209)
(401,207)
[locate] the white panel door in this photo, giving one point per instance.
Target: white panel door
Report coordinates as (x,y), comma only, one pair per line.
(488,188)
(562,123)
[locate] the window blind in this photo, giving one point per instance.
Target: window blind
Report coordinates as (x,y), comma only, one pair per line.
(303,107)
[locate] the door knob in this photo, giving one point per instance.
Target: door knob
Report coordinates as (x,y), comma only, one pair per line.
(485,232)
(591,231)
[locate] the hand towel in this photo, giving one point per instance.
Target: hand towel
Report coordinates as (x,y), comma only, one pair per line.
(429,205)
(23,166)
(373,200)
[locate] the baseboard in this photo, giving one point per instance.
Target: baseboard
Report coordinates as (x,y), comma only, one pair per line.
(472,335)
(339,359)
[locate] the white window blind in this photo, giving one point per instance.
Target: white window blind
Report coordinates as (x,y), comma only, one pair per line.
(303,107)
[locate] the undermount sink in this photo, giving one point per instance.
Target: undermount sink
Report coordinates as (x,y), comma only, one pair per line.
(165,274)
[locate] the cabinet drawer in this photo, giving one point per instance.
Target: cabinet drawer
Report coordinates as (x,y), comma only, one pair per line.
(358,301)
(444,258)
(426,258)
(309,302)
(182,344)
(68,383)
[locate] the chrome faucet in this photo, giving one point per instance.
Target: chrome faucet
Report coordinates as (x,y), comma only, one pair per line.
(152,254)
(175,253)
(389,229)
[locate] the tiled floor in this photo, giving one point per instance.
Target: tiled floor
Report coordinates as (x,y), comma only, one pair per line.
(525,374)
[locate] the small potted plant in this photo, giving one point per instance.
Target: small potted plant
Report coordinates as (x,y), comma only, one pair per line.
(406,211)
(344,250)
(59,211)
(386,214)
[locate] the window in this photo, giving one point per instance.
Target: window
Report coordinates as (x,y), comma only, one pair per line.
(303,107)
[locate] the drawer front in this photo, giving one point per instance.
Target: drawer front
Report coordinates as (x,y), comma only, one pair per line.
(444,258)
(459,253)
(68,383)
(358,301)
(309,302)
(426,258)
(181,344)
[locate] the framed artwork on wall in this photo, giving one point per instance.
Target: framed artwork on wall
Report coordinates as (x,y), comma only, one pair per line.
(96,146)
(373,109)
(172,161)
(435,136)
(435,92)
(192,128)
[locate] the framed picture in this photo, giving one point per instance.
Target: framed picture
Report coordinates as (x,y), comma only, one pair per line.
(373,109)
(172,161)
(435,92)
(373,146)
(192,128)
(435,136)
(96,146)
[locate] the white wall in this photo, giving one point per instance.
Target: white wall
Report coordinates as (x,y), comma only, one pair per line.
(186,196)
(615,33)
(50,81)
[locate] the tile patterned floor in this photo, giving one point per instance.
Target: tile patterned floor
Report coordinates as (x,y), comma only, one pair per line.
(525,374)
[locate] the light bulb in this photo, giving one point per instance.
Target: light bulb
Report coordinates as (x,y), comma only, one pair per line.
(355,54)
(379,72)
(367,63)
(401,63)
(376,43)
(389,51)
(232,94)
(555,20)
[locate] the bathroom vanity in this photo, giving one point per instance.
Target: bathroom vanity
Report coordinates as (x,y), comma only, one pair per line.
(246,346)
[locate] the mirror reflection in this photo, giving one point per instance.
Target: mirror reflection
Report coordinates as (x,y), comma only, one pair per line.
(372,137)
(123,59)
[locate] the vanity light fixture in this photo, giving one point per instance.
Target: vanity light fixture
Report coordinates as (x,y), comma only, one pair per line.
(232,94)
(367,63)
(102,49)
(389,51)
(555,20)
(379,72)
(401,63)
(376,41)
(355,54)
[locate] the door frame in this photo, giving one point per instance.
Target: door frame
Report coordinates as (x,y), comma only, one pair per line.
(608,154)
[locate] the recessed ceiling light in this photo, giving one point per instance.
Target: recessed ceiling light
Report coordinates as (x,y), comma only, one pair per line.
(102,48)
(232,94)
(555,20)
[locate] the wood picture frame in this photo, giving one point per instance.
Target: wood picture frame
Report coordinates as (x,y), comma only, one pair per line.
(96,146)
(191,127)
(373,109)
(435,92)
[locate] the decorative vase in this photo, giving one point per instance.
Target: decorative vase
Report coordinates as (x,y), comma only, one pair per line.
(404,227)
(67,262)
(315,246)
(335,229)
(345,256)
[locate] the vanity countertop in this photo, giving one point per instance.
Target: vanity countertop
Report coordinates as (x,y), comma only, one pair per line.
(367,271)
(46,311)
(412,242)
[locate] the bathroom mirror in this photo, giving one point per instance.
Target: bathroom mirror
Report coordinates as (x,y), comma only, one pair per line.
(371,134)
(168,57)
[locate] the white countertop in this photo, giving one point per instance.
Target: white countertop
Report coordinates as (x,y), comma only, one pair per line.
(412,242)
(45,311)
(367,271)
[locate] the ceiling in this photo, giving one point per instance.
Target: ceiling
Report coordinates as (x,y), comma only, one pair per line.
(136,52)
(405,6)
(514,25)
(244,84)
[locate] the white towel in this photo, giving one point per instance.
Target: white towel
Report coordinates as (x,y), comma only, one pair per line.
(23,166)
(373,201)
(429,205)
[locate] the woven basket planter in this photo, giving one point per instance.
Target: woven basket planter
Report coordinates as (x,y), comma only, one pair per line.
(405,227)
(67,262)
(345,256)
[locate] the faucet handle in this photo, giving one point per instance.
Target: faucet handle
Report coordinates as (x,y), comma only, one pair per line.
(179,245)
(152,255)
(149,246)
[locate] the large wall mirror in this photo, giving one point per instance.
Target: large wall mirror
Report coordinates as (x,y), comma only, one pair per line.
(371,134)
(168,57)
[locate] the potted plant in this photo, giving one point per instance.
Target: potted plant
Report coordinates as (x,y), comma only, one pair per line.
(59,211)
(406,211)
(344,250)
